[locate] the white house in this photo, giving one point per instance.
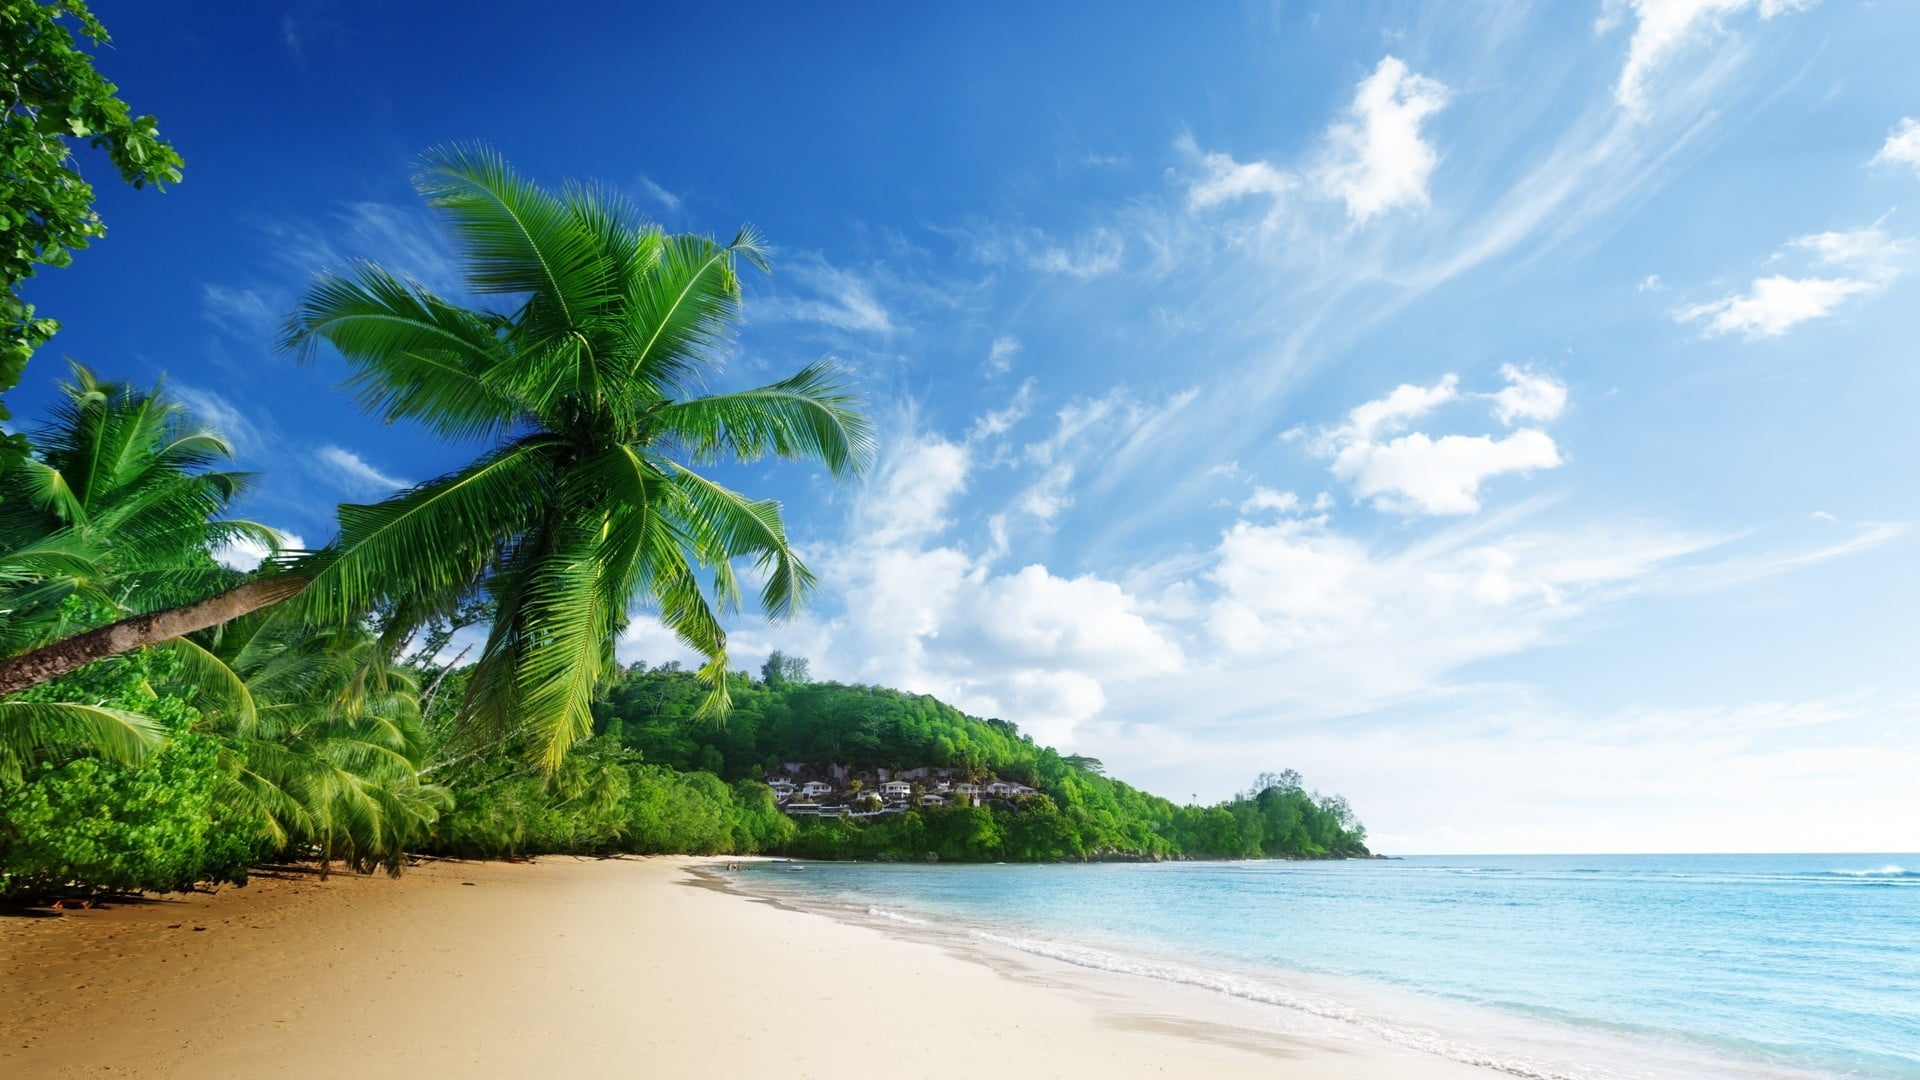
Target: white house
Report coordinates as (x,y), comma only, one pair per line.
(813,789)
(932,800)
(896,789)
(1022,789)
(966,789)
(782,790)
(1000,787)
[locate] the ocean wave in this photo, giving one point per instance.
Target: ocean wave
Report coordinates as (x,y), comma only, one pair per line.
(894,916)
(1413,1038)
(1887,871)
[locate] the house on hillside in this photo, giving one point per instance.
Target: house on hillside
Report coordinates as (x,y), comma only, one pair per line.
(813,789)
(933,800)
(966,789)
(782,789)
(895,789)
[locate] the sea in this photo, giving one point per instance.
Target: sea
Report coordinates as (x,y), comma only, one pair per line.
(1574,967)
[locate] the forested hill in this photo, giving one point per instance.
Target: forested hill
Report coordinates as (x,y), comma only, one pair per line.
(1080,812)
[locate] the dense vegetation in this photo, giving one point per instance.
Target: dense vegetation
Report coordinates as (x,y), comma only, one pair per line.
(1080,812)
(168,719)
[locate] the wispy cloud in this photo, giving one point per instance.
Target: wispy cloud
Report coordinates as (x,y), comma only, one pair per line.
(834,296)
(1867,259)
(1000,356)
(350,472)
(660,195)
(246,313)
(222,415)
(1664,30)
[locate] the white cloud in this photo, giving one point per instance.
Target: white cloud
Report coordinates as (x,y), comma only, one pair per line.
(245,553)
(840,298)
(1000,356)
(351,472)
(1266,498)
(1422,475)
(1902,146)
(1663,29)
(1871,248)
(1774,305)
(1227,179)
(1373,159)
(660,195)
(908,499)
(1869,257)
(1529,396)
(1376,159)
(1404,403)
(1415,473)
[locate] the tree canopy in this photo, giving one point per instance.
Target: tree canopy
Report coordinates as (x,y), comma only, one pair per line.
(54,97)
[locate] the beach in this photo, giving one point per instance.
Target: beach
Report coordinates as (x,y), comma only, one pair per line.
(580,967)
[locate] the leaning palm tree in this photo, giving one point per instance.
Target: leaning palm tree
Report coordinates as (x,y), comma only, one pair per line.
(588,390)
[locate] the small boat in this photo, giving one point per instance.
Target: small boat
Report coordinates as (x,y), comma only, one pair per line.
(793,868)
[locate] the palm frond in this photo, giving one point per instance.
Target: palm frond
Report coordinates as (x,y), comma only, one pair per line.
(811,416)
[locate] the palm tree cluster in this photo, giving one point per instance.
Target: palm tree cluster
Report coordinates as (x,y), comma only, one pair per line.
(582,387)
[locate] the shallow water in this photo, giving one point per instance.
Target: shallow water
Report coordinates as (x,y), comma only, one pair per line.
(1546,966)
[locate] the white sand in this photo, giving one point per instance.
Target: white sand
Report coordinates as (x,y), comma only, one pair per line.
(584,968)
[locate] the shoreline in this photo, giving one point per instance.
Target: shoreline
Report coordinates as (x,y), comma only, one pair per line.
(593,967)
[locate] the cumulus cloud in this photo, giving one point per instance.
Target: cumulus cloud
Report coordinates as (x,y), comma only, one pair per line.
(1411,472)
(1376,159)
(351,472)
(1373,159)
(1864,260)
(1528,396)
(1664,29)
(1902,146)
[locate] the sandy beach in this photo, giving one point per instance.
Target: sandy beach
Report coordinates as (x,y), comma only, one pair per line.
(593,968)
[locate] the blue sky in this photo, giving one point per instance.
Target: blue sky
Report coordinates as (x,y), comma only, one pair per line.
(1501,413)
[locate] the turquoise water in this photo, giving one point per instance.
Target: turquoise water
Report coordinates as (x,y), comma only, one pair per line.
(1550,966)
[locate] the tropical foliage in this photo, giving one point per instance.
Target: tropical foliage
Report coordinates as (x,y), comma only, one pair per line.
(588,391)
(178,720)
(54,96)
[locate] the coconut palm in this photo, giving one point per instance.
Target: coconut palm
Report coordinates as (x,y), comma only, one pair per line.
(325,736)
(587,389)
(114,515)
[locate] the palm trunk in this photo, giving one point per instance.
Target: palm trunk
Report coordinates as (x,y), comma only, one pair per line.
(17,673)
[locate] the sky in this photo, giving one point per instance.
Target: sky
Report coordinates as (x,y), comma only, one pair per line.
(1501,413)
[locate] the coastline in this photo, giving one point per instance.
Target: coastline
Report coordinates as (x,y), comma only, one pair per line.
(595,967)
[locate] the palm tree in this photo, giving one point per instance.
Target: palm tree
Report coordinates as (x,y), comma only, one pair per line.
(324,733)
(114,515)
(588,498)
